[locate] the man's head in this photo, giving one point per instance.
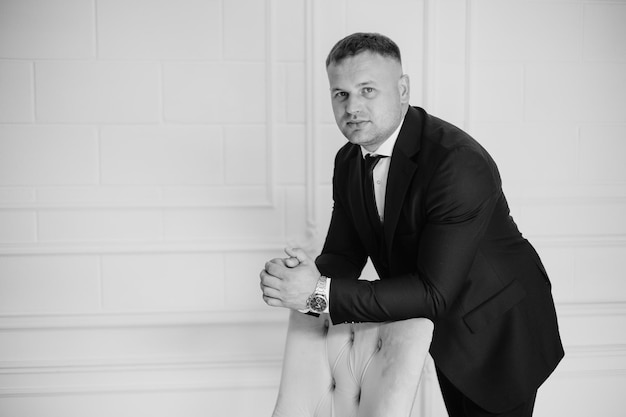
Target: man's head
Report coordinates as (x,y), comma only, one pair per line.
(369,93)
(363,42)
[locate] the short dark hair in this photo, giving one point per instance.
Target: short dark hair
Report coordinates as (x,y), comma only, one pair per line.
(362,42)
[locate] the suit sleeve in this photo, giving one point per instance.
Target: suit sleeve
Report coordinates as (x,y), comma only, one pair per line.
(458,204)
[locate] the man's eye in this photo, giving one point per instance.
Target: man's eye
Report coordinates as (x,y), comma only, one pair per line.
(368,91)
(341,94)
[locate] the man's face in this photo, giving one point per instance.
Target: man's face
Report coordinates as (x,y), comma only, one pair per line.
(369,95)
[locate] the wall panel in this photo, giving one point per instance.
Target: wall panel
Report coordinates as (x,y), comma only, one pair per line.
(139,201)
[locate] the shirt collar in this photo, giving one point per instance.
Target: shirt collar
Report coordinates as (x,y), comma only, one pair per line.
(386,148)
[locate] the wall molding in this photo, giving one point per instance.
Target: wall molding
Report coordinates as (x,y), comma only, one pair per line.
(429,60)
(272,316)
(221,384)
(604,360)
(157,197)
(149,197)
(579,241)
(269,100)
(467,56)
(311,194)
(582,361)
(246,245)
(139,364)
(589,309)
(141,247)
(17,322)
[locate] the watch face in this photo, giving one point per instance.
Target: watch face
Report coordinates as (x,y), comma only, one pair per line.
(318,303)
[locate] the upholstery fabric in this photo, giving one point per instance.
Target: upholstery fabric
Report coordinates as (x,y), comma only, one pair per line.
(351,370)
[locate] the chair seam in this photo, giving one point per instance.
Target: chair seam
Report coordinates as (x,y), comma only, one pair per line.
(370,359)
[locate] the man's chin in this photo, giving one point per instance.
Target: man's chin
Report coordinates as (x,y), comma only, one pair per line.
(356,137)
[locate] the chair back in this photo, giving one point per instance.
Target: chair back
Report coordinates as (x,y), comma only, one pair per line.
(351,370)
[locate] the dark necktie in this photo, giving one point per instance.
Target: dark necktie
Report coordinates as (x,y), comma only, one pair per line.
(368,191)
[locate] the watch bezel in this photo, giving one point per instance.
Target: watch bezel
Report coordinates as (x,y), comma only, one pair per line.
(317,303)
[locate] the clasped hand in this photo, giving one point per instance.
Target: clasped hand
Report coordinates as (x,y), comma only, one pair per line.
(288,282)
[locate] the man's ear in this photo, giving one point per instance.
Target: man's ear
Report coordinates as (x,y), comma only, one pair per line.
(404,88)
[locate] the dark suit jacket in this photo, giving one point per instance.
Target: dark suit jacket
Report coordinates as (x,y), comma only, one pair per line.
(452,253)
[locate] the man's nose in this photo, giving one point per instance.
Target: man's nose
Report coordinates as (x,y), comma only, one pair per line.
(354,104)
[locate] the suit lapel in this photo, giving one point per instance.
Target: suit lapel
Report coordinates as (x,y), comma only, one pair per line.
(401,171)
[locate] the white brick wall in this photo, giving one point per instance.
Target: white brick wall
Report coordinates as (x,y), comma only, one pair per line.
(139,30)
(154,154)
(97,92)
(209,92)
(158,155)
(49,284)
(41,155)
(16,92)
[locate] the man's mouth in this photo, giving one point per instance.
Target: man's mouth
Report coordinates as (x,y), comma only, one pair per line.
(356,123)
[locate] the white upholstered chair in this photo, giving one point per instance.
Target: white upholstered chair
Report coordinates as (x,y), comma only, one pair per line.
(350,370)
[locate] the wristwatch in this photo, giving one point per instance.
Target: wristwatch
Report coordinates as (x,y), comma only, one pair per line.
(317,302)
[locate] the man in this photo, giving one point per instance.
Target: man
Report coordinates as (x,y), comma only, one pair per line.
(440,238)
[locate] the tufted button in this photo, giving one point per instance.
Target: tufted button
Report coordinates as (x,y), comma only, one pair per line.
(352,336)
(380,344)
(333,385)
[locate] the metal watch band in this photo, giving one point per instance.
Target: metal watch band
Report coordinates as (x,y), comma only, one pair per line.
(321,285)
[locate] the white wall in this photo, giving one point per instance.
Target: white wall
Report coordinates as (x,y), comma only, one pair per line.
(154,153)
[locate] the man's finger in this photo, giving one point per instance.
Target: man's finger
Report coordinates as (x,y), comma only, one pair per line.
(269,280)
(272,302)
(271,293)
(276,269)
(297,253)
(276,261)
